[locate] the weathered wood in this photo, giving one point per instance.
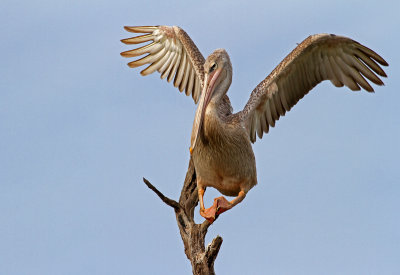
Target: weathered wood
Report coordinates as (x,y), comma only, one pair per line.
(193,235)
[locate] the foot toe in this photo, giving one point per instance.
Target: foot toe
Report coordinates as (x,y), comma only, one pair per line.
(209,214)
(222,205)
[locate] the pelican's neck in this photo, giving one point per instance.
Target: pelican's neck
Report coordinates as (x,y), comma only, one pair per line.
(210,113)
(214,111)
(213,124)
(221,90)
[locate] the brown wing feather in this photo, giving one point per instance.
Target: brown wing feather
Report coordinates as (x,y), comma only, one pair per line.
(319,57)
(172,53)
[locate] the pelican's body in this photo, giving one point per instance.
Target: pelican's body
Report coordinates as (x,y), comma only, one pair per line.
(224,157)
(221,140)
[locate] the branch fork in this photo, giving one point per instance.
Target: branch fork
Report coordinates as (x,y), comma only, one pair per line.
(193,235)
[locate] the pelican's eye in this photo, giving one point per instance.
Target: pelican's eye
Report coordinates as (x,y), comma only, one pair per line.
(213,67)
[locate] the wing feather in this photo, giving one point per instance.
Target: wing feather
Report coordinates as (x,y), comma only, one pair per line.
(190,83)
(348,78)
(148,59)
(274,114)
(175,67)
(157,63)
(284,101)
(150,48)
(181,71)
(268,111)
(185,78)
(138,39)
(197,88)
(171,63)
(165,66)
(362,68)
(320,57)
(172,53)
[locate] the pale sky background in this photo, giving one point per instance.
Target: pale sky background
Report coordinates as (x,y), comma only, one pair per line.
(79,130)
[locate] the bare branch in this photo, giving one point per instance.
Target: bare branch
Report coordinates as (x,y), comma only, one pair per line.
(212,250)
(204,227)
(193,235)
(165,199)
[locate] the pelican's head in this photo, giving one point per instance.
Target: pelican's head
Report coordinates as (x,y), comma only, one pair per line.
(218,75)
(217,79)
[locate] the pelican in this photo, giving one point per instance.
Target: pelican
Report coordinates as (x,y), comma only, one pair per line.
(221,141)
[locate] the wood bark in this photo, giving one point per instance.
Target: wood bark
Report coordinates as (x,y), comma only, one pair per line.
(193,235)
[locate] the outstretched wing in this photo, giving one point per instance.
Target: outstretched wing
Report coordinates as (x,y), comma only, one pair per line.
(319,57)
(172,53)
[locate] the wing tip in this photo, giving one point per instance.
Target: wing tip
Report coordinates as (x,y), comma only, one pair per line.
(140,29)
(129,28)
(133,64)
(126,41)
(126,54)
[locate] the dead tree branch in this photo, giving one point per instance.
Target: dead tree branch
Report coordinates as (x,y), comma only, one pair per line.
(193,235)
(165,199)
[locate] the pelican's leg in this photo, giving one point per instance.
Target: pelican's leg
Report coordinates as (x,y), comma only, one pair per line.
(201,191)
(208,214)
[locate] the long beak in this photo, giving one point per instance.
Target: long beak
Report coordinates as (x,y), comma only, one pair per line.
(206,96)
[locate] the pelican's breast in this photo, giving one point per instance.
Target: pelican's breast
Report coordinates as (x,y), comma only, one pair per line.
(224,158)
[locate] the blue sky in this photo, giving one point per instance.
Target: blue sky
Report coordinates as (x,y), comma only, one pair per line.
(79,130)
